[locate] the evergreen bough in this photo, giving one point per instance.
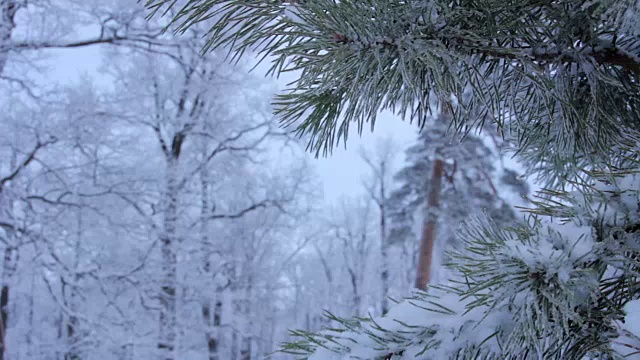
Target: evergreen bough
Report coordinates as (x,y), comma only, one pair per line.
(560,78)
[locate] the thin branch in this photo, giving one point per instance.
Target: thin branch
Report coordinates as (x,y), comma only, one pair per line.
(260,205)
(23,85)
(116,39)
(39,145)
(225,146)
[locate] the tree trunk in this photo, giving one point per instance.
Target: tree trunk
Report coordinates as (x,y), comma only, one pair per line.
(384,274)
(8,9)
(60,334)
(70,300)
(378,193)
(247,339)
(10,253)
(329,276)
(234,344)
(8,269)
(30,317)
(356,292)
(428,238)
(211,323)
(71,323)
(272,330)
(409,256)
(245,349)
(167,335)
(168,300)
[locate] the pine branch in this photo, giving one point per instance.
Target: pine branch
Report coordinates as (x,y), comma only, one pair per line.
(402,55)
(607,54)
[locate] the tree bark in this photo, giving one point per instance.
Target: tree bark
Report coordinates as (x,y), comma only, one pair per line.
(167,336)
(378,192)
(234,344)
(71,322)
(356,299)
(384,274)
(30,317)
(8,9)
(428,238)
(246,348)
(8,269)
(69,297)
(211,323)
(430,225)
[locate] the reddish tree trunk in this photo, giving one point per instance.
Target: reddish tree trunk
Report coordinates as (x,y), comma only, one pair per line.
(428,238)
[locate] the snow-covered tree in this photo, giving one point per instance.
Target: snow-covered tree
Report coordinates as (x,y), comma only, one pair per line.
(559,78)
(472,181)
(205,132)
(36,124)
(139,193)
(378,186)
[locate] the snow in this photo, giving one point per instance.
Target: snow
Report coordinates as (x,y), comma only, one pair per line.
(292,13)
(623,201)
(632,319)
(578,239)
(453,328)
(628,344)
(630,194)
(558,247)
(277,296)
(556,251)
(454,100)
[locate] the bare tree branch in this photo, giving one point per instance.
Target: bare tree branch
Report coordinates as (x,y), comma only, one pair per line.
(32,154)
(226,146)
(260,205)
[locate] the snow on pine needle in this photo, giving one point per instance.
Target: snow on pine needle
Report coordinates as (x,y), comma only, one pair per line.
(542,289)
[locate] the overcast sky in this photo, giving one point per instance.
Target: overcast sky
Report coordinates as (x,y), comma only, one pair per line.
(341,173)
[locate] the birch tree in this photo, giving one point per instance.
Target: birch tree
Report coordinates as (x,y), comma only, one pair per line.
(26,31)
(378,188)
(117,205)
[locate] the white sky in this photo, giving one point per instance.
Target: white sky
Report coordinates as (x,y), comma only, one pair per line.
(341,173)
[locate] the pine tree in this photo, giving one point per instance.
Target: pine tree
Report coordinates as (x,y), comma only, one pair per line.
(559,77)
(474,182)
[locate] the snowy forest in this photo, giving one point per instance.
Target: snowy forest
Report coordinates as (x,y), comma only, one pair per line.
(162,205)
